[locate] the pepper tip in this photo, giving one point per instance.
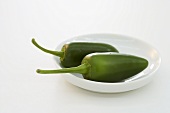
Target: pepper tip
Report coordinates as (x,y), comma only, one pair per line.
(33,40)
(38,70)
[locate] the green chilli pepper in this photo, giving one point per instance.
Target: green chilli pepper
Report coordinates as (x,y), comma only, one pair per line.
(105,67)
(72,53)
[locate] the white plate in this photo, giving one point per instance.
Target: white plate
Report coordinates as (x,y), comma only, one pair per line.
(126,45)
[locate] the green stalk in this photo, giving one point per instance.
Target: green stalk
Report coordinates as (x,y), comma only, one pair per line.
(82,69)
(56,53)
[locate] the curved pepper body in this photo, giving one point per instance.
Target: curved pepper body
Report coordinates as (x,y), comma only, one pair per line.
(113,67)
(74,52)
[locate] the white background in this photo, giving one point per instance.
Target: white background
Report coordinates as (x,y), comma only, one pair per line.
(22,90)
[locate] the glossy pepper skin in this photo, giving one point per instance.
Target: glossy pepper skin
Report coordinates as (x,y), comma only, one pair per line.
(72,53)
(106,67)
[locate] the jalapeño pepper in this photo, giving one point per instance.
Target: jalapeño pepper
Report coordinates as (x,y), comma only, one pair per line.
(105,67)
(72,53)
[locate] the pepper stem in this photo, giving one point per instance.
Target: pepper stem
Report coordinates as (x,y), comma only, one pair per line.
(82,69)
(56,53)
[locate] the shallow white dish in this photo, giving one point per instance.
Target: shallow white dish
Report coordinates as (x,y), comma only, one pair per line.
(126,45)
